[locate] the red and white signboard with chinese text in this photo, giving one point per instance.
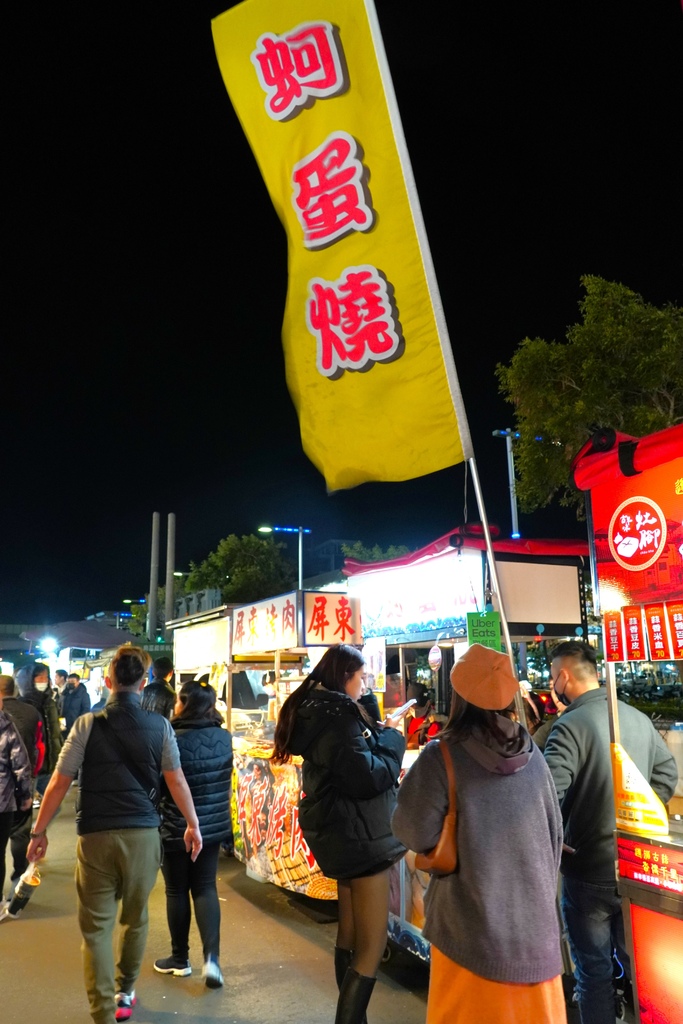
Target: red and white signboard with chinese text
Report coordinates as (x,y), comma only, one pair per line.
(266,625)
(674,614)
(614,636)
(657,633)
(310,83)
(657,866)
(634,632)
(275,624)
(331,619)
(637,517)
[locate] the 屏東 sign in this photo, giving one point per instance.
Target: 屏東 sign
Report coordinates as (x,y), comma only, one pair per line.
(297,619)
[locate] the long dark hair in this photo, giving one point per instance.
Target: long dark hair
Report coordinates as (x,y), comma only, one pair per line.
(198,700)
(466,718)
(333,671)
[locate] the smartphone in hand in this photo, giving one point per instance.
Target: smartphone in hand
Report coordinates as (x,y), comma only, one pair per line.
(400,712)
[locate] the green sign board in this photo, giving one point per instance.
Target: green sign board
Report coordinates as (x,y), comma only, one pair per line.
(484,628)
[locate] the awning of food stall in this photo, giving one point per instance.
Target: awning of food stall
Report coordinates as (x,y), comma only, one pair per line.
(94,636)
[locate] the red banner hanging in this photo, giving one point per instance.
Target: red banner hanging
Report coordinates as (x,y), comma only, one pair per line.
(657,635)
(614,637)
(634,632)
(674,612)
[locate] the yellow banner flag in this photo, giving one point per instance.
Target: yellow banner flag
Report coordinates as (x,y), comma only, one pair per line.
(637,806)
(368,359)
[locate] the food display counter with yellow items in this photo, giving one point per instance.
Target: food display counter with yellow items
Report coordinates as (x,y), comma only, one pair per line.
(265,820)
(265,796)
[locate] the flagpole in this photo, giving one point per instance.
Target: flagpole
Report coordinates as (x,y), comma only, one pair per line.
(495,586)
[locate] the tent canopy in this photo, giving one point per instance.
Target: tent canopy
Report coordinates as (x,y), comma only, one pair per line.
(93,635)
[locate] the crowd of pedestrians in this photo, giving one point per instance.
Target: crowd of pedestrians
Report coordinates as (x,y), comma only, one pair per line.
(525,811)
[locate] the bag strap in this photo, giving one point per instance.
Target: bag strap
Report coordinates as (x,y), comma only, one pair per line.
(107,731)
(450,772)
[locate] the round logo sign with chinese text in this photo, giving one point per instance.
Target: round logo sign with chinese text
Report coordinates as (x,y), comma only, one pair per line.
(637,533)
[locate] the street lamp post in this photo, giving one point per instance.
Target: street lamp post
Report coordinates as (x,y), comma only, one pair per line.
(509,434)
(301,530)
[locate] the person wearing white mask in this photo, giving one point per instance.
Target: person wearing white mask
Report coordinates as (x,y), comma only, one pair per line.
(35,689)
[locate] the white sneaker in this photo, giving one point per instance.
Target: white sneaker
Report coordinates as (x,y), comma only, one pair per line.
(212,974)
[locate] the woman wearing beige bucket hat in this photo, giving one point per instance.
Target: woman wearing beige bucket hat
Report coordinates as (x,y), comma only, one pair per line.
(492,923)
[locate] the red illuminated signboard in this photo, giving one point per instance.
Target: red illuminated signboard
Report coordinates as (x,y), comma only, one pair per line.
(635,637)
(656,866)
(614,637)
(636,488)
(657,635)
(657,944)
(674,611)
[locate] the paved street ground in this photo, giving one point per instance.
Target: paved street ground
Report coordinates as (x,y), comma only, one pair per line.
(276,957)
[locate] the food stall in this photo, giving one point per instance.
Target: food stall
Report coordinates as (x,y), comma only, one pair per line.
(282,636)
(420,610)
(635,503)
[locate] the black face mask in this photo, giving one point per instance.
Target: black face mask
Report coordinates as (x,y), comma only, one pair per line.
(562,697)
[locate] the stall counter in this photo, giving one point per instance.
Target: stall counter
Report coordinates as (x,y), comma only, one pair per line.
(269,841)
(265,821)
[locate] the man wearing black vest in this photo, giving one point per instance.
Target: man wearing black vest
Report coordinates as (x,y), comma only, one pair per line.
(121,753)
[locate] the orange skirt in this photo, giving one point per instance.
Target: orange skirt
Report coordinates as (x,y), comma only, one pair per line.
(457,996)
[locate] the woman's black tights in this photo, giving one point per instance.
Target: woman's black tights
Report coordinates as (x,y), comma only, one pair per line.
(363,915)
(183,878)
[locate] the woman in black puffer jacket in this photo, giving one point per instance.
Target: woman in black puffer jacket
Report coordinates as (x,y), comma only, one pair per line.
(206,759)
(349,776)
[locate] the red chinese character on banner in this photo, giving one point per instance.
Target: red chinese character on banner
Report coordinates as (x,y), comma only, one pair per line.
(319,618)
(344,612)
(288,618)
(297,841)
(276,822)
(271,621)
(253,620)
(258,791)
(239,628)
(353,321)
(294,67)
(329,198)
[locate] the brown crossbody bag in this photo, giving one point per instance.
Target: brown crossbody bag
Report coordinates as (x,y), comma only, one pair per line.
(443,859)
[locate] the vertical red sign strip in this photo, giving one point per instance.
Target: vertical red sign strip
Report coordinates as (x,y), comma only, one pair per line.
(657,635)
(614,637)
(674,613)
(634,633)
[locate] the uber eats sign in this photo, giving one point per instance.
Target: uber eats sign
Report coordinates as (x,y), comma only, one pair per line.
(484,628)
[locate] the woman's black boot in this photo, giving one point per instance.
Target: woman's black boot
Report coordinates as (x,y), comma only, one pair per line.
(354,997)
(342,962)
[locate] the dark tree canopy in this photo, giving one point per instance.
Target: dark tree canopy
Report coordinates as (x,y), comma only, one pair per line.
(244,569)
(361,553)
(621,366)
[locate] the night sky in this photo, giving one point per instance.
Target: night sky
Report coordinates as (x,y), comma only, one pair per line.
(142,366)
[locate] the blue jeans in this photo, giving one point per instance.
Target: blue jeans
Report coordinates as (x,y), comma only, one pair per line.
(594,922)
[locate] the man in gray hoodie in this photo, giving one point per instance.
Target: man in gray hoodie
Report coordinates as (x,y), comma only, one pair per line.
(578,755)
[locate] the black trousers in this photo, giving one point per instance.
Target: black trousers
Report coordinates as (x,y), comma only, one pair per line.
(5,828)
(184,880)
(19,839)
